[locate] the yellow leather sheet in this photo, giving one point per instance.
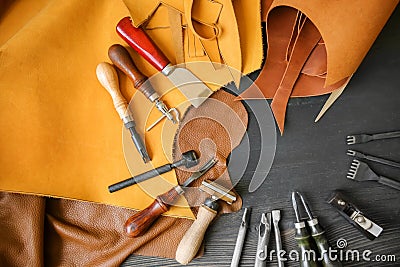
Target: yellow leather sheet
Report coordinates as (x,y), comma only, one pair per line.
(60,134)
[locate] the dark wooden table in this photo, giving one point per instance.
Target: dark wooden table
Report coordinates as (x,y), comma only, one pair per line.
(311,157)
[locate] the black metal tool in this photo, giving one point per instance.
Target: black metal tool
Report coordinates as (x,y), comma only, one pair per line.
(360,171)
(189,159)
(108,78)
(302,236)
(365,138)
(361,155)
(318,234)
(354,215)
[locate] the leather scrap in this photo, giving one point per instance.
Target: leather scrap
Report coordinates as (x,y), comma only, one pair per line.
(59,232)
(213,130)
(332,62)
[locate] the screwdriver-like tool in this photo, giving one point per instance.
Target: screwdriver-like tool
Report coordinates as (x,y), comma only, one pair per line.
(318,234)
(121,58)
(137,224)
(189,159)
(276,217)
(241,237)
(108,78)
(302,237)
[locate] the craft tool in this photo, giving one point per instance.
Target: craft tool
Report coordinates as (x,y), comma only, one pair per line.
(108,78)
(365,138)
(276,217)
(191,241)
(264,231)
(361,155)
(241,237)
(121,58)
(318,234)
(138,224)
(360,171)
(302,237)
(189,159)
(190,86)
(355,216)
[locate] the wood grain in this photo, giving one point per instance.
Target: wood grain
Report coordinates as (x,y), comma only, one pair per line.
(311,158)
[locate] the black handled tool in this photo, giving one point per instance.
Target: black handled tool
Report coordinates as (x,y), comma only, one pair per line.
(302,236)
(189,159)
(318,234)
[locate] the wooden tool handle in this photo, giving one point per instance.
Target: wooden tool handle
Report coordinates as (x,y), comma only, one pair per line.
(142,43)
(108,78)
(138,224)
(191,241)
(121,58)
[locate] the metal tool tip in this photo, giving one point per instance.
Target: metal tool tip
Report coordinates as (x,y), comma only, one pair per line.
(351,152)
(246,215)
(263,218)
(276,215)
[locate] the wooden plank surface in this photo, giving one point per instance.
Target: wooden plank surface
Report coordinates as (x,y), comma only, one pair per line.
(311,157)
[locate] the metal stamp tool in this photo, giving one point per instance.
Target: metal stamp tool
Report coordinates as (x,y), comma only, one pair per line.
(276,217)
(317,233)
(241,237)
(264,232)
(365,138)
(355,216)
(360,171)
(108,78)
(138,224)
(189,159)
(360,155)
(191,241)
(120,57)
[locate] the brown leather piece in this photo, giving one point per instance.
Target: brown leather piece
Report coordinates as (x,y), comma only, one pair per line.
(332,63)
(213,129)
(61,232)
(58,232)
(295,64)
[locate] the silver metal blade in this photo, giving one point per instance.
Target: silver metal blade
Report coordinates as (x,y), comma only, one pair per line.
(200,172)
(190,86)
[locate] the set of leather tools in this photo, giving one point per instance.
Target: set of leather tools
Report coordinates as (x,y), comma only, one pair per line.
(267,221)
(192,87)
(196,92)
(360,170)
(310,235)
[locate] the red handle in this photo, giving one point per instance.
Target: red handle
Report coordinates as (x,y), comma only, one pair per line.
(142,43)
(138,224)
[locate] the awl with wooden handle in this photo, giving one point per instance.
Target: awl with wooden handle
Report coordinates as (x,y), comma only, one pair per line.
(108,78)
(141,221)
(121,58)
(191,86)
(191,241)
